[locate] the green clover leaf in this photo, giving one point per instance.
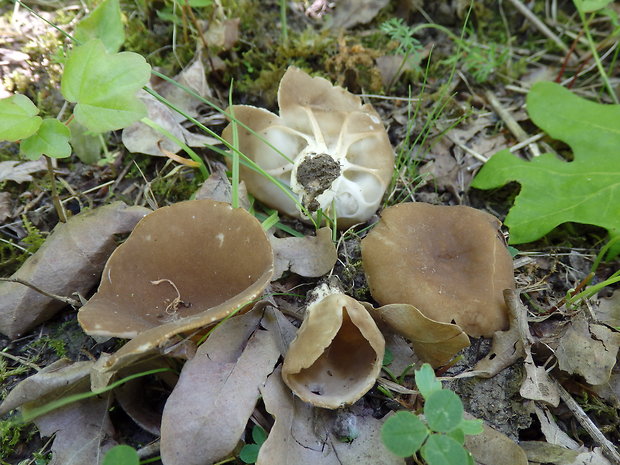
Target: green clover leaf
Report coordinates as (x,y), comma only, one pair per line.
(52,139)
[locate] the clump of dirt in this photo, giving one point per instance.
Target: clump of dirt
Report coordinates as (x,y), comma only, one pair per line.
(316,174)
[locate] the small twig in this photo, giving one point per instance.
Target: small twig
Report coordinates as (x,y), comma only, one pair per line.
(66,300)
(599,438)
(510,122)
(21,360)
(525,11)
(60,210)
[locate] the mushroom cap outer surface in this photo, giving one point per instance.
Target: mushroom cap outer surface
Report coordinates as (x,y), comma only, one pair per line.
(337,354)
(219,259)
(449,262)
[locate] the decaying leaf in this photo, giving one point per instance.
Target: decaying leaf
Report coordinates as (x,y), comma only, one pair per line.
(494,448)
(70,260)
(303,435)
(309,256)
(537,384)
(544,452)
(141,138)
(17,171)
(218,187)
(208,409)
(56,380)
(337,354)
(282,330)
(434,342)
(608,310)
(589,350)
(82,431)
(348,13)
(184,267)
(552,432)
(506,349)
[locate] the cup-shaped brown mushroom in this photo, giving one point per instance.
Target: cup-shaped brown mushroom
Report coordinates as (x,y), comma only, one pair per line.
(337,354)
(450,262)
(183,267)
(334,152)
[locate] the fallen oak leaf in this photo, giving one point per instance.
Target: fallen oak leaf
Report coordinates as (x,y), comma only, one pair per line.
(70,260)
(309,256)
(554,191)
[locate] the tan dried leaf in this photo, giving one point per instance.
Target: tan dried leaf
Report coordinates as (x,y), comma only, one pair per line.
(608,310)
(207,412)
(589,350)
(432,341)
(309,256)
(70,260)
(494,448)
(337,354)
(303,435)
(17,171)
(348,13)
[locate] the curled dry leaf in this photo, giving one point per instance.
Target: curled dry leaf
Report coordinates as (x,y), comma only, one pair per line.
(309,256)
(589,350)
(493,448)
(17,171)
(184,267)
(456,257)
(208,410)
(303,435)
(335,153)
(432,341)
(82,431)
(70,260)
(337,354)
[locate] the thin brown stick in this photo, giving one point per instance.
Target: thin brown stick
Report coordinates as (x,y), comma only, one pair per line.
(66,300)
(531,17)
(599,438)
(60,210)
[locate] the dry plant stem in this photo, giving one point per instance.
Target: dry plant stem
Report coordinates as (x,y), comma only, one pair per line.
(510,122)
(525,11)
(66,300)
(60,210)
(599,438)
(20,360)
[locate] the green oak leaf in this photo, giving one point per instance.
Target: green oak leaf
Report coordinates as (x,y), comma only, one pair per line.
(553,191)
(105,23)
(52,139)
(104,86)
(18,118)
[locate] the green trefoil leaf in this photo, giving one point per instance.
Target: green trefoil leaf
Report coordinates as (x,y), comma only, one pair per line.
(104,86)
(18,118)
(403,433)
(52,139)
(106,23)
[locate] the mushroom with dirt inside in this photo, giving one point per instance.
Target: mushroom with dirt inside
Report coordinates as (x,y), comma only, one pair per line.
(450,262)
(328,148)
(337,354)
(184,267)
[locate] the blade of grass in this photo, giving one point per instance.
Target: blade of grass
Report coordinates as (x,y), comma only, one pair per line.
(235,153)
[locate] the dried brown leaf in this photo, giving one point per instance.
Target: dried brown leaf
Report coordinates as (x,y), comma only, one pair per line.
(17,171)
(82,431)
(348,13)
(434,342)
(70,260)
(589,350)
(608,310)
(208,410)
(494,448)
(302,435)
(309,256)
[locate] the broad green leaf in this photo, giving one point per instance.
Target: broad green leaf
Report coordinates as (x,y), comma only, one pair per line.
(104,86)
(403,433)
(249,453)
(105,23)
(121,455)
(553,191)
(52,139)
(443,411)
(426,381)
(443,450)
(86,146)
(18,118)
(591,5)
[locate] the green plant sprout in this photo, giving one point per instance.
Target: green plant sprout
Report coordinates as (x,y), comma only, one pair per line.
(438,435)
(249,452)
(121,455)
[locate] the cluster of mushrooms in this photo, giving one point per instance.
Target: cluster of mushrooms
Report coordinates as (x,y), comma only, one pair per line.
(437,271)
